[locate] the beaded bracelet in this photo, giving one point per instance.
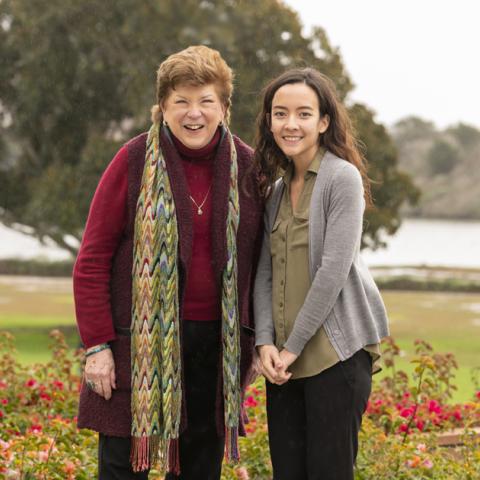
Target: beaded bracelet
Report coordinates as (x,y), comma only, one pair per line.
(101,347)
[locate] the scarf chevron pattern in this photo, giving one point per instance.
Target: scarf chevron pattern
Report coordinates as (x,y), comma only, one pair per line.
(155,347)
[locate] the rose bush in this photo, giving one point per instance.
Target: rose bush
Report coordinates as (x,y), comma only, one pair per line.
(39,438)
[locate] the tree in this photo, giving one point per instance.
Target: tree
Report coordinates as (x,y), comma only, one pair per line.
(390,187)
(77,80)
(442,157)
(466,136)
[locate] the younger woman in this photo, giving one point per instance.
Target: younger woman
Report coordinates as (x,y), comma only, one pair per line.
(319,315)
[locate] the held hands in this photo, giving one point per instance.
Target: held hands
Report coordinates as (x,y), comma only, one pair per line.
(274,364)
(99,373)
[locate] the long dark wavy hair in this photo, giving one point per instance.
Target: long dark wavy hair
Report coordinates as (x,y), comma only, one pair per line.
(339,138)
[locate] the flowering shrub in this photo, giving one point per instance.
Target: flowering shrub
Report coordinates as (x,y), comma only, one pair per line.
(399,438)
(406,417)
(38,433)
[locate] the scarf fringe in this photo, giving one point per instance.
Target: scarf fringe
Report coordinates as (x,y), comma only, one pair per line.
(174,456)
(232,453)
(144,452)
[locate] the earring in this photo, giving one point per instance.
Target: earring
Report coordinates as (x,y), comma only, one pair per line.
(165,124)
(220,124)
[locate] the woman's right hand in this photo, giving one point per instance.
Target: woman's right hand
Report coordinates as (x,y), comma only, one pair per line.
(99,373)
(272,365)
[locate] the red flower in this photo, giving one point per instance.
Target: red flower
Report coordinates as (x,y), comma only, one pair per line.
(250,402)
(31,383)
(403,428)
(1,414)
(477,394)
(457,414)
(4,401)
(434,407)
(45,396)
(36,428)
(58,384)
(406,412)
(2,385)
(420,425)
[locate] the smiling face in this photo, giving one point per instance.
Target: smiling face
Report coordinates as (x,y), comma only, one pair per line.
(193,113)
(296,123)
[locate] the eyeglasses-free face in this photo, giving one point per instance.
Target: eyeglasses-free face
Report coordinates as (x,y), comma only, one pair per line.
(193,114)
(296,122)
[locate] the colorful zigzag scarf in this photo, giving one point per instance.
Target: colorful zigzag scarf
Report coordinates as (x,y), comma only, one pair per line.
(156,351)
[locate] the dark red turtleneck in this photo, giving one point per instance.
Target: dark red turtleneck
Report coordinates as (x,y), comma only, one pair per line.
(202,291)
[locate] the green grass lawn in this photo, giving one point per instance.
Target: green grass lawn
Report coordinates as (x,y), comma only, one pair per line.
(30,308)
(450,322)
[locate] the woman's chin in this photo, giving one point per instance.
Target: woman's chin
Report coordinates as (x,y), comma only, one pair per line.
(194,140)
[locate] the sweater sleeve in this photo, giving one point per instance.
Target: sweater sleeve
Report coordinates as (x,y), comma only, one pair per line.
(91,274)
(341,242)
(262,295)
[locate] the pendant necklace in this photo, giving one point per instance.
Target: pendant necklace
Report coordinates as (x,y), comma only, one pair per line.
(199,207)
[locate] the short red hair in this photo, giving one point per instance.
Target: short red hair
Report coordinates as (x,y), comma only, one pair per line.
(196,65)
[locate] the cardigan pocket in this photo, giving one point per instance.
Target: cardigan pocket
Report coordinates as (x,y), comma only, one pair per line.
(122,358)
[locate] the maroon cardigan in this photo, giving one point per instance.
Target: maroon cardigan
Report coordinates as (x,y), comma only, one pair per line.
(113,417)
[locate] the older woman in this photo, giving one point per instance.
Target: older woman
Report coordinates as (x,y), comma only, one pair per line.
(163,279)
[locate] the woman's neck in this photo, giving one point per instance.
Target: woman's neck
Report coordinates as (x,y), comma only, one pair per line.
(197,153)
(301,164)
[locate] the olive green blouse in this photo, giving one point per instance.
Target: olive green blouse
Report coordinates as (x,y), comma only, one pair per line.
(291,280)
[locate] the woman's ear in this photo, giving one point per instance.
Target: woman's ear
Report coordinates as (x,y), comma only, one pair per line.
(323,123)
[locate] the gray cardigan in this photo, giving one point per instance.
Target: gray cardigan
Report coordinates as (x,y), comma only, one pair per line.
(343,296)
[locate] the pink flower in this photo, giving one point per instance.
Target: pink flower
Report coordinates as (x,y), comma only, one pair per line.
(4,445)
(414,462)
(1,414)
(421,447)
(42,456)
(69,468)
(427,463)
(4,401)
(250,402)
(242,473)
(2,385)
(31,383)
(477,394)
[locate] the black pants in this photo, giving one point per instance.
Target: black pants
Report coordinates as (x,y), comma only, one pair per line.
(201,449)
(313,422)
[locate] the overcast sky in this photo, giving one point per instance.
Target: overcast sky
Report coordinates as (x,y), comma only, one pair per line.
(406,57)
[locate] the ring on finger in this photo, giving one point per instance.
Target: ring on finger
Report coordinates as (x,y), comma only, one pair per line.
(91,385)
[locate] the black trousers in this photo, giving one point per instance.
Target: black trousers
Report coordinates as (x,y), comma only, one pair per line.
(201,449)
(313,422)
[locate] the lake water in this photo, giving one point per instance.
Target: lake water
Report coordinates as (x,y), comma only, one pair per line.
(432,243)
(417,242)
